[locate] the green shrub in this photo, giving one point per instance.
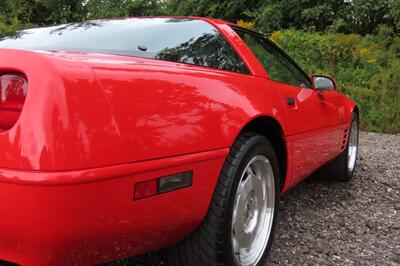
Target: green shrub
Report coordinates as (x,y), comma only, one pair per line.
(367,69)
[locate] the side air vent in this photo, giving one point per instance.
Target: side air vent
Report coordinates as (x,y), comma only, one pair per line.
(344,141)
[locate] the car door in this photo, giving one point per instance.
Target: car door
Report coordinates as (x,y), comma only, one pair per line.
(312,131)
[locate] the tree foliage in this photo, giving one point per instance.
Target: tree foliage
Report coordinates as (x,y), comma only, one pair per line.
(366,69)
(343,16)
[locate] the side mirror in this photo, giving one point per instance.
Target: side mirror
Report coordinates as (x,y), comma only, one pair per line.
(323,82)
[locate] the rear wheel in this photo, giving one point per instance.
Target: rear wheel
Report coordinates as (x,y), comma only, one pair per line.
(239,226)
(342,168)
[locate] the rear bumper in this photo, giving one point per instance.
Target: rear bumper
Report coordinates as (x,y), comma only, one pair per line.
(89,216)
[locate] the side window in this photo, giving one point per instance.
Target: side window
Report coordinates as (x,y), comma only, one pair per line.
(278,67)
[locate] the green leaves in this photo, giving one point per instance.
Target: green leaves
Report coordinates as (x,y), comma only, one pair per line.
(394,13)
(105,9)
(269,19)
(366,68)
(111,8)
(343,16)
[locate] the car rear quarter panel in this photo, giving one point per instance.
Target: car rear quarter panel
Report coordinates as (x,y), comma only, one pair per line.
(163,111)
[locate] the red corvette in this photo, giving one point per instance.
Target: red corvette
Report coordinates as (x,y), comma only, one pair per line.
(121,137)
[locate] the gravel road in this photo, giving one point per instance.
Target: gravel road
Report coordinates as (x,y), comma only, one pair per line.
(356,223)
(329,223)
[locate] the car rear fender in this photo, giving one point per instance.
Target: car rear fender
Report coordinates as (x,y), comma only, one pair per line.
(63,96)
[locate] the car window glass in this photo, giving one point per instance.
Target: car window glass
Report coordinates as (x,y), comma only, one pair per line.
(187,41)
(277,66)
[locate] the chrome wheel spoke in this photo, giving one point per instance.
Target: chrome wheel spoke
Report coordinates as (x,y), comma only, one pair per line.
(250,171)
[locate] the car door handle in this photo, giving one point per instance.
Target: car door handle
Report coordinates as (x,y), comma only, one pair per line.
(290,101)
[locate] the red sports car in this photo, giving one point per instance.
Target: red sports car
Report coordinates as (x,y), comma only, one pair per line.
(125,136)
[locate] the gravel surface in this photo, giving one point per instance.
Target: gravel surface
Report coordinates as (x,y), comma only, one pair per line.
(356,223)
(329,223)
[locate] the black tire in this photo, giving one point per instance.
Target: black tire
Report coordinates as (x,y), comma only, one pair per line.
(210,244)
(338,168)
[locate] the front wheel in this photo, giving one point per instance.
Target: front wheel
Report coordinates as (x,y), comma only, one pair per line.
(342,168)
(239,226)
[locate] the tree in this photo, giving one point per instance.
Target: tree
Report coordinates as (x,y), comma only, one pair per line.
(229,10)
(106,8)
(48,12)
(146,8)
(112,8)
(394,7)
(344,16)
(269,18)
(366,15)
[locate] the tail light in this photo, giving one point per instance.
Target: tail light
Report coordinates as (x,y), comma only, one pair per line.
(13,90)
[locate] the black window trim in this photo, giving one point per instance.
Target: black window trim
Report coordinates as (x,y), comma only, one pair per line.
(277,48)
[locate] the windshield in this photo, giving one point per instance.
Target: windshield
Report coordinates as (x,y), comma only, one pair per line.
(179,40)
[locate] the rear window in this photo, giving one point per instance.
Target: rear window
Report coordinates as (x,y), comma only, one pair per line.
(186,41)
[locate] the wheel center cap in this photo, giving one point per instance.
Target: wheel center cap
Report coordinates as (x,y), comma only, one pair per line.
(251,214)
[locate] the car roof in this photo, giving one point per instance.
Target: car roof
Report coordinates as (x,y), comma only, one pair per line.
(210,20)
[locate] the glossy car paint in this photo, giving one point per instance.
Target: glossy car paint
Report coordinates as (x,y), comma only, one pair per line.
(93,125)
